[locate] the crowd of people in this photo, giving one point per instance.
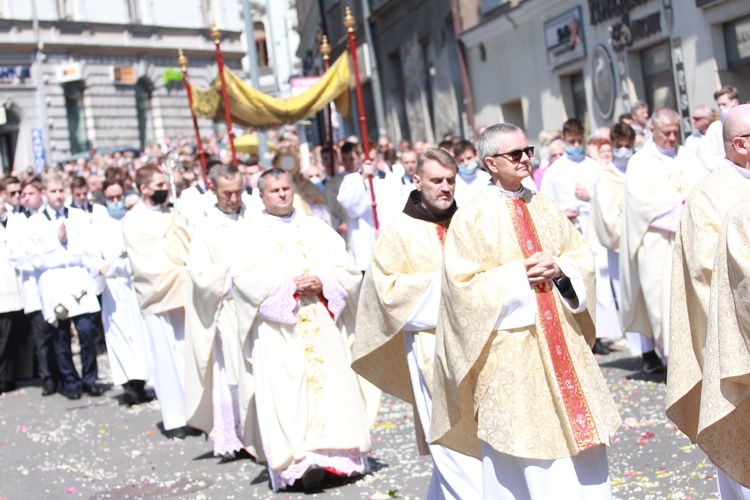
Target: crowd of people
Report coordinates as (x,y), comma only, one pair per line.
(268,308)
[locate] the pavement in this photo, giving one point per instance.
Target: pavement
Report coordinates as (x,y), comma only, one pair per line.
(97,448)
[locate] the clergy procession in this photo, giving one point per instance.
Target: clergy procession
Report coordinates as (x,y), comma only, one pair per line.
(273,310)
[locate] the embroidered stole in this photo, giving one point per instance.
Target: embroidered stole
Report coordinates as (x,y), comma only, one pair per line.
(576,407)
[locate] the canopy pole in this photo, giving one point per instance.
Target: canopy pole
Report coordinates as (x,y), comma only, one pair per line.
(182,61)
(216,35)
(350,22)
(325,49)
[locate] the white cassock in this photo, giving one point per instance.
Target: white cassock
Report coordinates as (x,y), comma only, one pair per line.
(18,255)
(560,181)
(311,410)
(712,149)
(220,394)
(467,186)
(157,243)
(655,189)
(124,326)
(355,196)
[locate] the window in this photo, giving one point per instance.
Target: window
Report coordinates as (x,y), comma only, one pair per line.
(76,120)
(737,42)
(658,78)
(512,112)
(143,91)
(488,5)
(578,92)
(260,43)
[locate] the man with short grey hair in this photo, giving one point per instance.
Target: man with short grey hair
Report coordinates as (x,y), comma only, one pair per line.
(660,176)
(515,382)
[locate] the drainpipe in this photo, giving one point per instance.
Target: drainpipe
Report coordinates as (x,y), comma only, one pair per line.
(465,84)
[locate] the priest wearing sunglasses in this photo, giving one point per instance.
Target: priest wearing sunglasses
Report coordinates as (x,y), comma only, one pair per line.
(515,383)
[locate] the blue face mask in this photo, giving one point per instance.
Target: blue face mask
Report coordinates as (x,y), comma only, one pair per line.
(571,151)
(468,169)
(116,209)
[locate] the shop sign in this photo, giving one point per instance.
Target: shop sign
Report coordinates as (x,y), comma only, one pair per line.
(737,41)
(682,96)
(124,75)
(563,37)
(604,10)
(71,72)
(10,75)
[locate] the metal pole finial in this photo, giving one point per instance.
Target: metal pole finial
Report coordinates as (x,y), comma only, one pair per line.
(182,60)
(349,20)
(215,33)
(325,47)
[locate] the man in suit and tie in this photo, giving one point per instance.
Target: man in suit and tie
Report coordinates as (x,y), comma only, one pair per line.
(58,244)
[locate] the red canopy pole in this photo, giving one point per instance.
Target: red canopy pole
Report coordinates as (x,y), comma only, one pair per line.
(216,35)
(325,49)
(182,60)
(350,22)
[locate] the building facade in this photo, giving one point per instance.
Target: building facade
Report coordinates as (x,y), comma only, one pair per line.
(537,63)
(78,75)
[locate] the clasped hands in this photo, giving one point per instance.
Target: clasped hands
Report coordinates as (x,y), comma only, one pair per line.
(541,268)
(308,286)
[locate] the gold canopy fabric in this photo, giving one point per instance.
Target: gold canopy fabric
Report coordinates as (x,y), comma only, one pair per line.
(253,108)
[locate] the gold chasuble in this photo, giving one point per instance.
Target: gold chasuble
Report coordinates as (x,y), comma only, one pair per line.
(531,391)
(157,245)
(695,249)
(725,398)
(407,256)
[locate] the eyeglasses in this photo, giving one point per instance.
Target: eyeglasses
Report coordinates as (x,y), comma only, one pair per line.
(744,135)
(517,154)
(696,118)
(668,133)
(14,193)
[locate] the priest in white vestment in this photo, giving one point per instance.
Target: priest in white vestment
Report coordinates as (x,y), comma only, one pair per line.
(219,390)
(295,298)
(695,251)
(157,241)
(394,346)
(371,201)
(515,382)
(606,227)
(124,326)
(725,397)
(660,176)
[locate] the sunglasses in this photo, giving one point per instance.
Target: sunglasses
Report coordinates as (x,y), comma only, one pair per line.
(14,193)
(517,154)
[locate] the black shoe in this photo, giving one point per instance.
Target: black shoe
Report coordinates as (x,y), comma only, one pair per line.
(178,433)
(312,479)
(92,390)
(70,394)
(652,363)
(49,387)
(140,390)
(600,348)
(7,386)
(129,395)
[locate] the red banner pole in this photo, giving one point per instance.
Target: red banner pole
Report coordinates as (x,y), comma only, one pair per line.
(325,49)
(216,35)
(182,61)
(350,23)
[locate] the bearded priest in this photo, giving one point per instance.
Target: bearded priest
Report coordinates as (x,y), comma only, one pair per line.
(515,381)
(394,345)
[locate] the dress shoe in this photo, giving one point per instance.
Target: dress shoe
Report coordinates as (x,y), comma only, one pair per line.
(7,386)
(178,433)
(652,363)
(312,479)
(92,390)
(70,393)
(129,395)
(49,387)
(140,390)
(600,348)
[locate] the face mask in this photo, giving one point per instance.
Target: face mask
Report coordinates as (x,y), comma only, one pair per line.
(574,152)
(725,111)
(116,209)
(468,169)
(622,153)
(160,196)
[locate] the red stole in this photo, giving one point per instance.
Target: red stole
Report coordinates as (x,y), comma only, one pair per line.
(577,409)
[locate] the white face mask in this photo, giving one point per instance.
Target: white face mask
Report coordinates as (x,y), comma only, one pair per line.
(725,111)
(622,153)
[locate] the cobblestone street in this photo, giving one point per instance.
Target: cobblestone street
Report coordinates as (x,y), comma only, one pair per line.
(96,448)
